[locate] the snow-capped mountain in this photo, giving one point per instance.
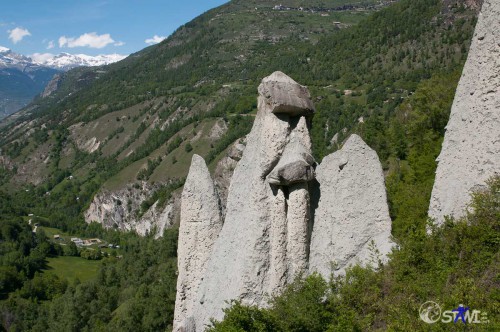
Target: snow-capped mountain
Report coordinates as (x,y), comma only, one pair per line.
(62,61)
(9,59)
(66,61)
(24,77)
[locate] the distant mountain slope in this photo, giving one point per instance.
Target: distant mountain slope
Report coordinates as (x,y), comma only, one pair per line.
(20,80)
(132,126)
(22,77)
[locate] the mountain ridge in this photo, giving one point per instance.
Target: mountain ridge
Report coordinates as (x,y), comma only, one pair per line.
(67,61)
(23,77)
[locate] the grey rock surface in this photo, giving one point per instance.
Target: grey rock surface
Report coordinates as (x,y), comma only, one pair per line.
(471,149)
(284,95)
(293,172)
(248,261)
(278,265)
(199,228)
(265,240)
(298,221)
(52,86)
(296,165)
(224,171)
(352,219)
(238,266)
(117,209)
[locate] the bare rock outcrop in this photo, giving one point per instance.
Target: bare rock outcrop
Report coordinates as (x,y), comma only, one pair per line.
(199,227)
(471,148)
(292,174)
(352,223)
(52,86)
(240,265)
(298,221)
(118,210)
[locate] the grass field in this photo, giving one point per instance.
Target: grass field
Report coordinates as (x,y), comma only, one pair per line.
(50,232)
(70,268)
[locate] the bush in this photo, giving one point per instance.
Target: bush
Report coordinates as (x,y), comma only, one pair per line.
(71,249)
(91,254)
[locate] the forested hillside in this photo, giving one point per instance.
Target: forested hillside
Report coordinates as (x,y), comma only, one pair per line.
(387,72)
(107,125)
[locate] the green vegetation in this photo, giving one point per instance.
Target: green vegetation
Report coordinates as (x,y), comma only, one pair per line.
(134,292)
(457,264)
(413,139)
(145,173)
(71,268)
(238,127)
(214,65)
(161,195)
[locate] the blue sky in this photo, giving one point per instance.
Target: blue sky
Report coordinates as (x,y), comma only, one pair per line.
(93,26)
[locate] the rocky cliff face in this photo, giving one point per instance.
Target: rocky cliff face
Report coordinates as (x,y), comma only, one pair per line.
(471,147)
(52,86)
(265,241)
(119,209)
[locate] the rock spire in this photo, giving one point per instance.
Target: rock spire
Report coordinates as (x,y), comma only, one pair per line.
(471,148)
(352,223)
(199,227)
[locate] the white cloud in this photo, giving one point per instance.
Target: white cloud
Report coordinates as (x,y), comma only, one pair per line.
(42,57)
(155,40)
(17,34)
(91,39)
(50,45)
(120,43)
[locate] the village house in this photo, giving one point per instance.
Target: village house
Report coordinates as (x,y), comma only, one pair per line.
(77,241)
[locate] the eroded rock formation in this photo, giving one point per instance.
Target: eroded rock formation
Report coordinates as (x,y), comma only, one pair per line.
(292,175)
(352,223)
(199,227)
(265,241)
(286,216)
(52,86)
(471,148)
(239,267)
